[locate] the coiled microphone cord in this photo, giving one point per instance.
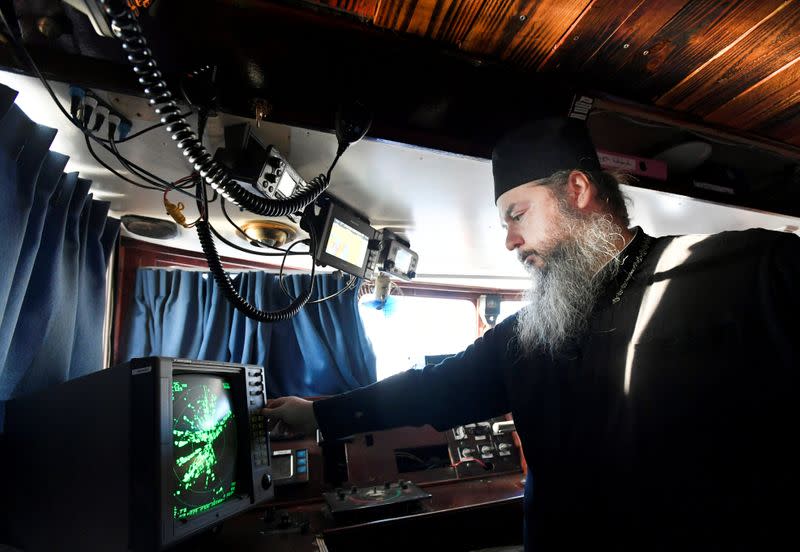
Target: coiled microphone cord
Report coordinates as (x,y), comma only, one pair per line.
(125,27)
(225,283)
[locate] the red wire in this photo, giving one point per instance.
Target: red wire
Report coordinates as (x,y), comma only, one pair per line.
(478,460)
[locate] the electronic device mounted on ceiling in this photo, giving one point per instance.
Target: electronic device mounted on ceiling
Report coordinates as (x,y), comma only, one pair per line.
(279,189)
(396,258)
(345,239)
(263,167)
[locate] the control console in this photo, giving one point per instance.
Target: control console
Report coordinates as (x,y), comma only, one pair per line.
(483,446)
(363,503)
(290,466)
(259,439)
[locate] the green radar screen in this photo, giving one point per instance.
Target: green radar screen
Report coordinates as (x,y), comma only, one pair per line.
(204,444)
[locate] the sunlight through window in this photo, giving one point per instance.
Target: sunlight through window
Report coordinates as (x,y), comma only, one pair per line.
(407,329)
(507,308)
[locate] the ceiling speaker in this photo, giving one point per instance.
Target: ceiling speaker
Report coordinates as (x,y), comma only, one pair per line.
(685,157)
(149,227)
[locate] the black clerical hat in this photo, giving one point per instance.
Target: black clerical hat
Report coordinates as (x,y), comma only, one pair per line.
(540,148)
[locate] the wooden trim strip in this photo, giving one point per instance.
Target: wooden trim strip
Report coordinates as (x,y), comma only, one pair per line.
(660,115)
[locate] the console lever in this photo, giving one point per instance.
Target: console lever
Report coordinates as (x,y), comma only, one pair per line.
(498,428)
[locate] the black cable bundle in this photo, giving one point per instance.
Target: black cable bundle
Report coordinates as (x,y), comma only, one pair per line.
(127,29)
(226,284)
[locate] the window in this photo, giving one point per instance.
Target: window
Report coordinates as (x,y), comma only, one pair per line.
(507,308)
(409,328)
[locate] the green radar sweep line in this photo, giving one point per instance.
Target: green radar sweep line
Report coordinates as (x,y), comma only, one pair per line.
(204,444)
(203,459)
(203,430)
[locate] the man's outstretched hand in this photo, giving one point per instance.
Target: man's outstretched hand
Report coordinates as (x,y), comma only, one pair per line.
(295,415)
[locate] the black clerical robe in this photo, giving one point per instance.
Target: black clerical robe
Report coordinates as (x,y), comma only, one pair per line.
(669,426)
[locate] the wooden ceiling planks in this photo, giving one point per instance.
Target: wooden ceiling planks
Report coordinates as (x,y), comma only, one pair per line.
(763,101)
(613,35)
(520,31)
(769,45)
(546,23)
(735,63)
(482,27)
(599,22)
(692,38)
(498,22)
(632,52)
(362,8)
(445,20)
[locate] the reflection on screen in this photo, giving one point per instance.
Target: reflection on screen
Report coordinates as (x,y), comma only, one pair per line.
(347,243)
(204,444)
(402,261)
(286,185)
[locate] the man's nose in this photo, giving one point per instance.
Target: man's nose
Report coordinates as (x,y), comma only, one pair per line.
(513,240)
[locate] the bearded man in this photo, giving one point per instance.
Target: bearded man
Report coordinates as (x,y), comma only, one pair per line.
(652,381)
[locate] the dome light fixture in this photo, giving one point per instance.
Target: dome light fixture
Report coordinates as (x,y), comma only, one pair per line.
(269,232)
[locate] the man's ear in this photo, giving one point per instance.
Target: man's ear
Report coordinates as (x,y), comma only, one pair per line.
(580,190)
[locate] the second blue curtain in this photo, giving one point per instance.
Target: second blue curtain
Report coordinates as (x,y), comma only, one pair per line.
(323,350)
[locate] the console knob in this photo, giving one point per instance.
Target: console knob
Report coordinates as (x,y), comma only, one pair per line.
(266,481)
(276,164)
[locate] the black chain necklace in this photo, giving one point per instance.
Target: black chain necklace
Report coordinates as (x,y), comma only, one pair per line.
(639,257)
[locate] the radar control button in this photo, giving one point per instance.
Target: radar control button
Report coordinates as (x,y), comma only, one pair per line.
(266,481)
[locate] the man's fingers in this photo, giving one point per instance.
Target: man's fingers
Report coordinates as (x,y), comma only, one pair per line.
(275,403)
(274,407)
(272,412)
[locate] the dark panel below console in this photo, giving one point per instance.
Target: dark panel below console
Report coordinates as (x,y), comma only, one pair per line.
(454,530)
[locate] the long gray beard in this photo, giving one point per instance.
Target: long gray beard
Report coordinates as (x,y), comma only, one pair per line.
(564,291)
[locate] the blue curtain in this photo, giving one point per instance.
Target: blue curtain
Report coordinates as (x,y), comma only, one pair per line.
(323,350)
(56,241)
